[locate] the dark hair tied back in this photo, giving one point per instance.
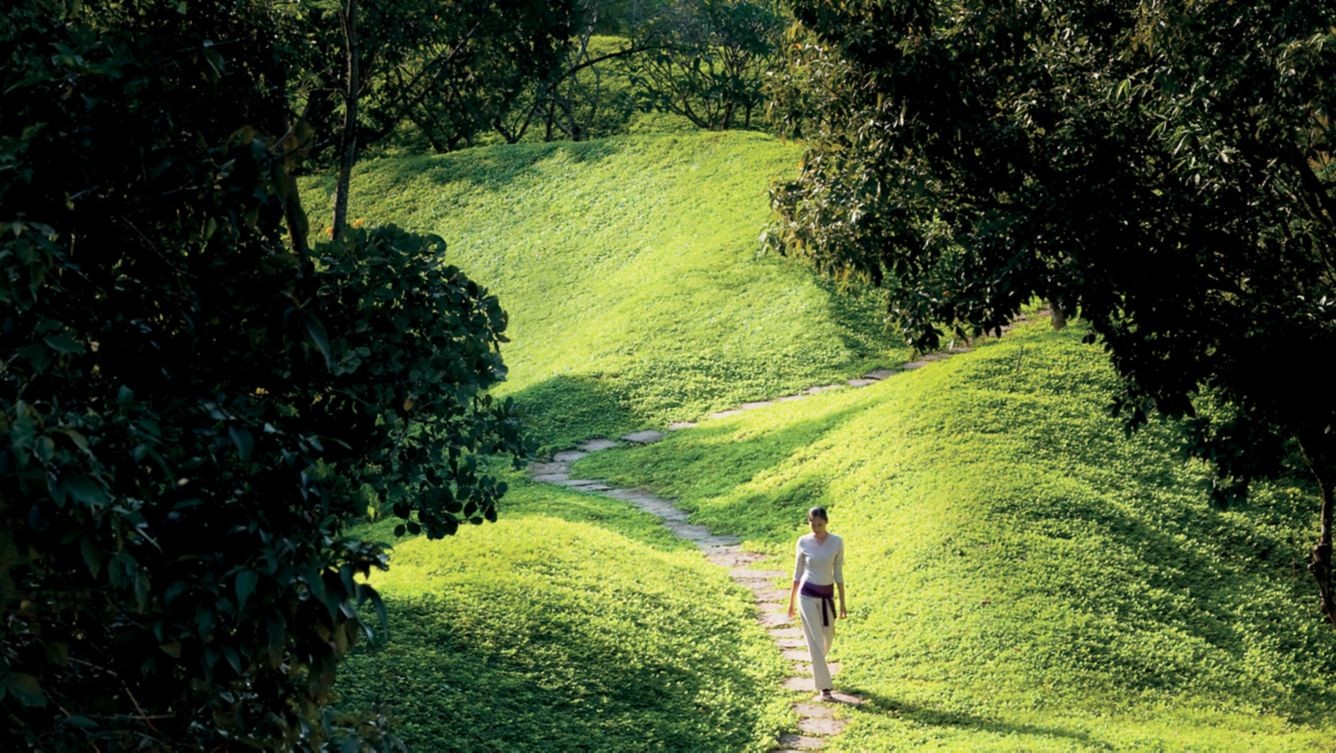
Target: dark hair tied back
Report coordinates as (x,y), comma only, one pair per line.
(818,512)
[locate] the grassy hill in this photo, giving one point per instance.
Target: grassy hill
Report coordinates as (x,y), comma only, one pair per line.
(630,270)
(574,623)
(1022,575)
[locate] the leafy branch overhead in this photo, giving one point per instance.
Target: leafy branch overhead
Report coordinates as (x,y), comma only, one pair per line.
(1165,171)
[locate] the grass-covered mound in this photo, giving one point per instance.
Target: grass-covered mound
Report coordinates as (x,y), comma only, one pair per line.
(1022,576)
(575,623)
(630,270)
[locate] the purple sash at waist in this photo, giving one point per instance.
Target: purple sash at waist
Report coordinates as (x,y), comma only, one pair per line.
(827,596)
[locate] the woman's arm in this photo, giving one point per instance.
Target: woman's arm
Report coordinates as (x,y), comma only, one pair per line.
(798,565)
(839,577)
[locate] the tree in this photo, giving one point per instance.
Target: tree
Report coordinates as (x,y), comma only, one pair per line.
(706,59)
(192,410)
(429,72)
(571,100)
(1164,169)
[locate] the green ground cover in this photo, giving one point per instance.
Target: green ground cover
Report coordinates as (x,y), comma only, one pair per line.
(1022,576)
(630,270)
(575,623)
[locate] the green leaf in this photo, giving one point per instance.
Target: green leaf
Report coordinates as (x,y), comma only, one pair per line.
(64,344)
(26,689)
(318,336)
(246,580)
(85,489)
(242,438)
(91,556)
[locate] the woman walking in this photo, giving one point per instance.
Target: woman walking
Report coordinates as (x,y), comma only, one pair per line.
(818,571)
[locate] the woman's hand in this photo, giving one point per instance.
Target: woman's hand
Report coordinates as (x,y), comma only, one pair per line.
(844,613)
(790,610)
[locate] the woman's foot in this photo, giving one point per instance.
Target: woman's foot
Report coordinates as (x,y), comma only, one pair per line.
(827,695)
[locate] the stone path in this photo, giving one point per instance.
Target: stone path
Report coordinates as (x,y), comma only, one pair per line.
(816,719)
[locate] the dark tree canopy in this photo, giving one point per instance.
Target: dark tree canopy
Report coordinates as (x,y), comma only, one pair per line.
(193,403)
(706,59)
(1165,169)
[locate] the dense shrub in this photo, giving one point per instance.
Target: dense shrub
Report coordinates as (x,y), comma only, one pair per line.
(191,410)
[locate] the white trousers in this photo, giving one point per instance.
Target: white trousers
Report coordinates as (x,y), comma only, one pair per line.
(818,638)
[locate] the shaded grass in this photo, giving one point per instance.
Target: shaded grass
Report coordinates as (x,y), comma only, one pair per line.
(631,272)
(1023,576)
(575,623)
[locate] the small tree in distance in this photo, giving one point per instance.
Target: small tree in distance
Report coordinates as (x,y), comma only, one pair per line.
(1165,171)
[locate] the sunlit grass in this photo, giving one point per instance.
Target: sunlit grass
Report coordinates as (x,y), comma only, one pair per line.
(575,623)
(1023,576)
(632,273)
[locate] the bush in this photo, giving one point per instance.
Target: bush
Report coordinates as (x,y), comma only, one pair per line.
(192,411)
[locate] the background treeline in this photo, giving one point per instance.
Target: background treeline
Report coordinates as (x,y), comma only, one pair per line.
(439,77)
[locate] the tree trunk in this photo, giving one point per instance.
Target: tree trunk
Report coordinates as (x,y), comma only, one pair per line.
(1058,315)
(347,139)
(1319,450)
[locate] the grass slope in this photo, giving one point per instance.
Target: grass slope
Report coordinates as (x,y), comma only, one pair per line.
(1022,575)
(575,623)
(630,270)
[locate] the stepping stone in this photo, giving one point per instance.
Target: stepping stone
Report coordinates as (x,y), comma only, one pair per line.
(598,445)
(801,684)
(792,643)
(588,486)
(795,654)
(795,633)
(789,398)
(913,365)
(879,374)
(644,437)
(680,425)
(725,413)
(774,619)
(861,382)
(821,727)
(813,710)
(745,574)
(822,388)
(568,456)
(578,483)
(539,469)
(552,478)
(756,404)
(722,542)
(698,534)
(848,699)
(802,742)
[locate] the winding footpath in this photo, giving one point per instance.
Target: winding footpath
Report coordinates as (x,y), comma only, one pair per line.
(816,719)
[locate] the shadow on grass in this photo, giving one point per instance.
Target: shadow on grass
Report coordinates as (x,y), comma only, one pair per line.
(563,410)
(492,168)
(932,717)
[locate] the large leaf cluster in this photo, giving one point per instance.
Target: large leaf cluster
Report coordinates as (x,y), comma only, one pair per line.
(190,410)
(1164,168)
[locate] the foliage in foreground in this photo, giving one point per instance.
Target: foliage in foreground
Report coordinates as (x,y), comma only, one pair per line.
(1167,169)
(190,409)
(630,272)
(1023,575)
(576,623)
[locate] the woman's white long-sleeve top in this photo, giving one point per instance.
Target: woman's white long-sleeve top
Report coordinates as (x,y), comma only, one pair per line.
(819,562)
